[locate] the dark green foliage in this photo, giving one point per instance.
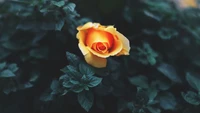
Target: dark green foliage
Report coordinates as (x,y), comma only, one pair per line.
(146,55)
(86,99)
(42,69)
(193,81)
(169,71)
(191,97)
(140,81)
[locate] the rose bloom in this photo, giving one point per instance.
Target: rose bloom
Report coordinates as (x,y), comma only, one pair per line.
(98,42)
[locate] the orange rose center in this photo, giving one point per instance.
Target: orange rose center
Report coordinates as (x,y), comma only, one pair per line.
(100,41)
(100,47)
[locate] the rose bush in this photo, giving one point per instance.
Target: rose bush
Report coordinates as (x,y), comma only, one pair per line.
(97,42)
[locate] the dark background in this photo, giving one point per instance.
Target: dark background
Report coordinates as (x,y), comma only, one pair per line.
(161,74)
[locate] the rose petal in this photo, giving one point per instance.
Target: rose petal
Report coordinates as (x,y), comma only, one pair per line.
(116,48)
(118,42)
(95,60)
(81,36)
(102,55)
(101,46)
(95,36)
(83,48)
(122,52)
(110,29)
(125,43)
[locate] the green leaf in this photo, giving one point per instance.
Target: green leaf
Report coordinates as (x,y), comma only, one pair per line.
(59,25)
(168,101)
(65,69)
(146,55)
(73,72)
(169,71)
(46,96)
(131,106)
(194,31)
(59,3)
(24,25)
(4,53)
(94,81)
(39,53)
(67,84)
(153,109)
(69,7)
(10,87)
(2,65)
(191,16)
(13,67)
(191,97)
(167,33)
(86,69)
(151,60)
(54,85)
(142,96)
(7,73)
(77,88)
(25,85)
(152,92)
(161,8)
(74,81)
(152,15)
(162,84)
(140,80)
(86,88)
(44,10)
(193,81)
(73,59)
(17,43)
(86,100)
(34,76)
(47,25)
(65,79)
(126,14)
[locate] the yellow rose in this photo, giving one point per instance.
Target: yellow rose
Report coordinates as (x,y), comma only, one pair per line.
(98,42)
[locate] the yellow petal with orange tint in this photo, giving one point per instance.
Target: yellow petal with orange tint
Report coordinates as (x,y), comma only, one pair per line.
(125,43)
(102,55)
(81,36)
(120,41)
(116,48)
(110,29)
(83,48)
(122,52)
(94,36)
(95,60)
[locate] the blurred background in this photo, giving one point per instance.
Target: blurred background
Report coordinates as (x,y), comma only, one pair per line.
(38,48)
